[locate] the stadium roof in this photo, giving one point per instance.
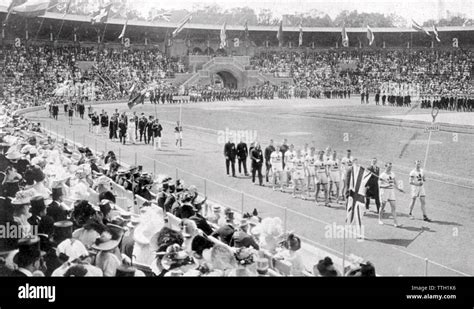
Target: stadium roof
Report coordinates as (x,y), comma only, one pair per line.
(193,26)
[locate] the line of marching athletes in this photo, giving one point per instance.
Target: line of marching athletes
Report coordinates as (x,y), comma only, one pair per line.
(311,172)
(307,170)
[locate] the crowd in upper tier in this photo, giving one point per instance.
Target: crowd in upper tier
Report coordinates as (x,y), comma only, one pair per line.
(32,74)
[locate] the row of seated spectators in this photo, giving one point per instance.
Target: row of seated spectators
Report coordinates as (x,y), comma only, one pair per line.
(433,71)
(70,221)
(32,73)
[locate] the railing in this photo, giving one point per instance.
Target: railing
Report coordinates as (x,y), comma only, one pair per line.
(314,231)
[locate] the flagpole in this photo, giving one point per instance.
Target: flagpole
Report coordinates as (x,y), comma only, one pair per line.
(103,34)
(344,250)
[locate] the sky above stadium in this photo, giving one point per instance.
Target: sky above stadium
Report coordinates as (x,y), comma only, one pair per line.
(419,10)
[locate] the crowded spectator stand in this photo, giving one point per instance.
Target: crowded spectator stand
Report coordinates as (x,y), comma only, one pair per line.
(81,213)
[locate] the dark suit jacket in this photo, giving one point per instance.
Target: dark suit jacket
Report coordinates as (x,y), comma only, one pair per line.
(230,150)
(242,151)
(373,183)
(56,212)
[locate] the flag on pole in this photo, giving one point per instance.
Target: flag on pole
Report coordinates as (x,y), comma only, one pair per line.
(280,34)
(300,41)
(12,5)
(181,26)
(136,97)
(370,35)
(122,34)
(246,30)
(356,200)
(418,27)
(101,16)
(435,32)
(345,38)
(223,37)
(64,7)
(32,8)
(154,15)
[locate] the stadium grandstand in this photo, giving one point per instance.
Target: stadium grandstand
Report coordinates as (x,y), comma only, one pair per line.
(311,84)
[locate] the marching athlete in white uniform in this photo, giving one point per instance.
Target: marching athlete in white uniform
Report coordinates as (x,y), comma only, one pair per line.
(305,151)
(321,177)
(298,172)
(417,180)
(387,184)
(310,159)
(276,160)
(334,175)
(328,154)
(290,154)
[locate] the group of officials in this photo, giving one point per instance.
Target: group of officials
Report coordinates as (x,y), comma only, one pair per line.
(324,172)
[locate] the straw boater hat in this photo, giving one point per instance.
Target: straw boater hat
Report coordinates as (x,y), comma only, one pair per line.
(23,197)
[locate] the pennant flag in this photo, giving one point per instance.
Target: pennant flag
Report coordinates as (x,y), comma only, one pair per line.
(32,8)
(12,5)
(101,16)
(280,34)
(370,35)
(246,30)
(138,97)
(155,15)
(223,37)
(300,41)
(345,38)
(122,34)
(356,200)
(417,27)
(435,33)
(181,26)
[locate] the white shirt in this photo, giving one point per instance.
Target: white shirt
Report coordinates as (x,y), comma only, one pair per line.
(320,166)
(298,164)
(387,181)
(417,176)
(289,156)
(333,165)
(276,158)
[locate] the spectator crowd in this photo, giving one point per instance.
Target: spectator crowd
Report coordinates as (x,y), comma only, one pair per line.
(61,209)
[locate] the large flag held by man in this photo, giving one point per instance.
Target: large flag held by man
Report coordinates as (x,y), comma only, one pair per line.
(358,179)
(370,35)
(419,28)
(280,34)
(101,16)
(181,26)
(223,37)
(345,38)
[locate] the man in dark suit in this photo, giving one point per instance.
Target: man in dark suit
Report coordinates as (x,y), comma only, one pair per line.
(230,152)
(142,123)
(256,155)
(373,185)
(242,154)
(268,152)
(55,210)
(28,257)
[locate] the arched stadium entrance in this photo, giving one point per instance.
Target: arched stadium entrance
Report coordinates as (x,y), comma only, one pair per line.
(228,79)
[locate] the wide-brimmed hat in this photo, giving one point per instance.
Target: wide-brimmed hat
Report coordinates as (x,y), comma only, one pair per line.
(176,257)
(166,237)
(106,242)
(23,197)
(13,155)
